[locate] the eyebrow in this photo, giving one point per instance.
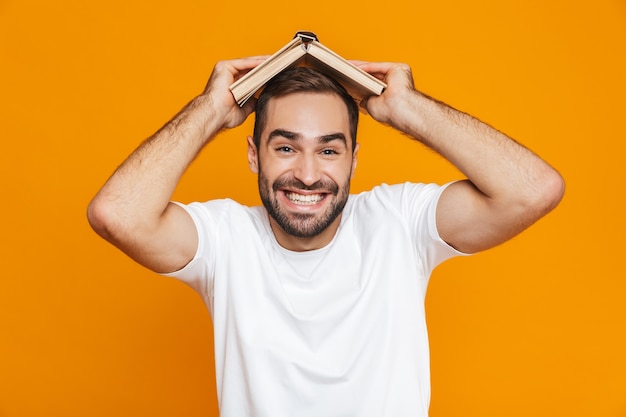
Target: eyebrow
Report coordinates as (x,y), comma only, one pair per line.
(276,133)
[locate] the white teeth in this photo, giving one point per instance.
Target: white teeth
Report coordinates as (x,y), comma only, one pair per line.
(304,199)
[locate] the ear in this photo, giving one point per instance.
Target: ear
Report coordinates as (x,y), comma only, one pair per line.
(253,156)
(354,160)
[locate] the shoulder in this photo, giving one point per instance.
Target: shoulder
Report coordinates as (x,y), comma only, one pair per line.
(225,213)
(219,208)
(398,195)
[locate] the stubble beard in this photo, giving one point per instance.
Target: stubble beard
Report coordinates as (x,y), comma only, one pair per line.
(303,225)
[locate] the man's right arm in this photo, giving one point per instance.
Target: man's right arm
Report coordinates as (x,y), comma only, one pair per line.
(133,209)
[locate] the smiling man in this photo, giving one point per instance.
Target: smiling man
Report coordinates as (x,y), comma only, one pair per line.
(317,297)
(307,159)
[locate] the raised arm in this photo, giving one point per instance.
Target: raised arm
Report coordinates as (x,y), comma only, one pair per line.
(508,186)
(133,210)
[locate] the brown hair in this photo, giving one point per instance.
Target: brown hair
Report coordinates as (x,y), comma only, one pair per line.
(301,80)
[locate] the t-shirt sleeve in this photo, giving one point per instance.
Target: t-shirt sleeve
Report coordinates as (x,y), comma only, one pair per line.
(199,272)
(419,205)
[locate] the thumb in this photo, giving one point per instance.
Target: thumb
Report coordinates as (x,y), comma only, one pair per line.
(363,105)
(249,106)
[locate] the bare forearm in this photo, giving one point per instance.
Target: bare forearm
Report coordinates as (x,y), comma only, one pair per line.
(508,186)
(133,209)
(140,189)
(493,162)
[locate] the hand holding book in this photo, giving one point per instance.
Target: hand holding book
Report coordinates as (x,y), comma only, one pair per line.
(305,49)
(400,86)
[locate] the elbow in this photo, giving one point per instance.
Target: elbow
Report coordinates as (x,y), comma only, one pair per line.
(547,192)
(102,218)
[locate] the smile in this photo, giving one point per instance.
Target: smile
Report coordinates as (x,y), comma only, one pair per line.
(306,200)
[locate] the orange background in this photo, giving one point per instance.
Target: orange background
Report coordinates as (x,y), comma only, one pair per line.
(535,327)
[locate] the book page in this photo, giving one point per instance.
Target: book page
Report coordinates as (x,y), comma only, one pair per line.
(247,85)
(345,70)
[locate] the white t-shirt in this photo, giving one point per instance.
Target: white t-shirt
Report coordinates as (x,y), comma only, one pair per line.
(334,332)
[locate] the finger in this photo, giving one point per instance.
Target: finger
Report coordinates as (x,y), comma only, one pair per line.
(379,70)
(249,106)
(248,62)
(377,67)
(256,57)
(357,62)
(237,66)
(363,105)
(232,70)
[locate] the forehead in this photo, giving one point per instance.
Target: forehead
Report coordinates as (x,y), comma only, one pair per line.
(311,114)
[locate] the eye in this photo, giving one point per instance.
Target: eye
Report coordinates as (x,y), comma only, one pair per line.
(329,152)
(284,149)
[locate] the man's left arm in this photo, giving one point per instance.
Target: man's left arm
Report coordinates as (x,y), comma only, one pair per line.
(508,186)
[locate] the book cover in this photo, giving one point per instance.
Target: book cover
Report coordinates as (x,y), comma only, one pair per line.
(305,49)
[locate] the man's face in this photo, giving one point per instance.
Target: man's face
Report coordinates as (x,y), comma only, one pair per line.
(304,162)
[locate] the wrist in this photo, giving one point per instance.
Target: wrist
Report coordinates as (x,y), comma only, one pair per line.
(408,112)
(208,115)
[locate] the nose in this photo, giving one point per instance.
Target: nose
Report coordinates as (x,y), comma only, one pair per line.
(307,169)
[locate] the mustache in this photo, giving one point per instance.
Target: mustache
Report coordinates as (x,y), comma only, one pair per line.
(321,185)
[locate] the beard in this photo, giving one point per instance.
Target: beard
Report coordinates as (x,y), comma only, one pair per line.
(303,225)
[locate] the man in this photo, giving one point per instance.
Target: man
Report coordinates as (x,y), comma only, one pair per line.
(317,298)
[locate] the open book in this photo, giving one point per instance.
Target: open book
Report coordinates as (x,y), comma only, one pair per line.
(305,49)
